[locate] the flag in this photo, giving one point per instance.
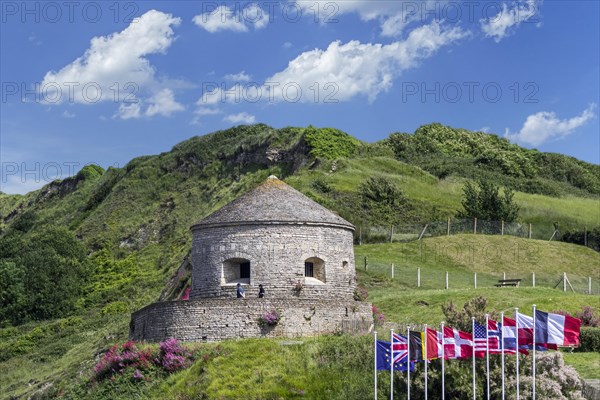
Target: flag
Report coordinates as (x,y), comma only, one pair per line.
(556,329)
(494,336)
(525,332)
(399,348)
(509,335)
(416,346)
(383,358)
(526,335)
(457,344)
(434,344)
(480,338)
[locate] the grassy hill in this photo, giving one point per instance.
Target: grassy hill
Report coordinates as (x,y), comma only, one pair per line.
(134,224)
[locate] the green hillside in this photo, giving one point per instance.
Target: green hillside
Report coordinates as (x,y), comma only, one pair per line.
(127,231)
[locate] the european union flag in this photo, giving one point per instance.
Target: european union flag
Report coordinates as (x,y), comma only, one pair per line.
(384,357)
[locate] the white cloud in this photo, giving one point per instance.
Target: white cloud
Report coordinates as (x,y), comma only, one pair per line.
(240,77)
(129,111)
(115,67)
(67,114)
(485,129)
(543,126)
(287,45)
(241,118)
(163,103)
(393,15)
(343,71)
(236,19)
(500,25)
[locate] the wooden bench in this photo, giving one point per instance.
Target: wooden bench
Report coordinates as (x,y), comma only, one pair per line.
(508,282)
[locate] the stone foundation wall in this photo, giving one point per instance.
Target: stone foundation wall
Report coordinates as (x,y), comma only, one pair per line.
(220,319)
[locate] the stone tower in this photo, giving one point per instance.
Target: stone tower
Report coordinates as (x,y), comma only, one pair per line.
(273,235)
(277,237)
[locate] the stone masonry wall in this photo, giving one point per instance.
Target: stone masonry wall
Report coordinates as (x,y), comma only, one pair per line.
(277,252)
(219,319)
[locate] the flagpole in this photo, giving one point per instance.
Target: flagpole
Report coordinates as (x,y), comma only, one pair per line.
(487,355)
(375,370)
(534,342)
(408,360)
(443,366)
(425,340)
(517,344)
(473,343)
(502,349)
(391,364)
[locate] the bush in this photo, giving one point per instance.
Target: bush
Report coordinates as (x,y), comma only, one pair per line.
(486,203)
(135,364)
(589,340)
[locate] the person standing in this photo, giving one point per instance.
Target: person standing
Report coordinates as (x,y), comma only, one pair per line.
(261,291)
(240,291)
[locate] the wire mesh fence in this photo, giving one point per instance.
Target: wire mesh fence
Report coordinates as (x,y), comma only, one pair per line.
(410,232)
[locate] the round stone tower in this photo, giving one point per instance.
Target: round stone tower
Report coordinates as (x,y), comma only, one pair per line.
(274,236)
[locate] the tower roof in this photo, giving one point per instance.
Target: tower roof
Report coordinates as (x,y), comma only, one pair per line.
(272,202)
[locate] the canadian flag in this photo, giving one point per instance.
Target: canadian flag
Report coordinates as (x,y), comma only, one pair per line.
(457,344)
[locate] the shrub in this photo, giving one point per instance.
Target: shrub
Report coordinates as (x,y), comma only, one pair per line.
(589,340)
(135,364)
(486,203)
(172,357)
(269,319)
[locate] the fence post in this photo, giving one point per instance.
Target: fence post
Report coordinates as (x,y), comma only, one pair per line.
(423,231)
(475,227)
(360,235)
(475,279)
(366,263)
(502,229)
(392,270)
(529,231)
(589,285)
(391,234)
(448,234)
(564,281)
(504,276)
(585,236)
(418,277)
(446,279)
(533,279)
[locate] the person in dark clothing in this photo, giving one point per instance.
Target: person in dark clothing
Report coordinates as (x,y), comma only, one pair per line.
(240,291)
(261,291)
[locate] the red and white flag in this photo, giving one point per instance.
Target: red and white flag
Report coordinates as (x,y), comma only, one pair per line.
(457,344)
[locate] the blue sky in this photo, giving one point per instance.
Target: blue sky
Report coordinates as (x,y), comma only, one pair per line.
(103,82)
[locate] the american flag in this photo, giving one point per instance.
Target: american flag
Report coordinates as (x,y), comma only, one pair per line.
(399,348)
(492,337)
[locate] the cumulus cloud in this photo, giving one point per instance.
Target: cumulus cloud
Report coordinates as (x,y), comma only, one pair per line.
(240,77)
(354,68)
(236,19)
(393,16)
(544,126)
(163,103)
(241,118)
(508,19)
(115,68)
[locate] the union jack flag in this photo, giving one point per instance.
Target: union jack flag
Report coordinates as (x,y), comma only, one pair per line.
(399,348)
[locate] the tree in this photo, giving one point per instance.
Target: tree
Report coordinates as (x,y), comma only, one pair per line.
(486,203)
(383,199)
